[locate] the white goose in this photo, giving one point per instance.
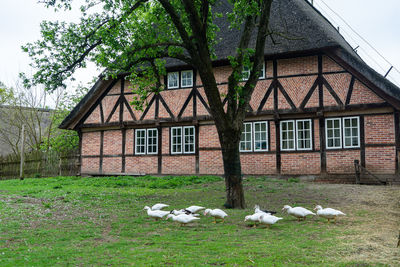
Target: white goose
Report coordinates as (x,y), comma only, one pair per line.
(257,210)
(159,206)
(298,212)
(183,219)
(216,213)
(253,218)
(268,220)
(194,209)
(328,213)
(156,214)
(182,211)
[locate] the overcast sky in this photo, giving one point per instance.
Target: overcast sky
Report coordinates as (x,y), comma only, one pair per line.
(378,23)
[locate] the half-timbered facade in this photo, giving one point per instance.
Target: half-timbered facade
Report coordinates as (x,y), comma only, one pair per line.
(315,110)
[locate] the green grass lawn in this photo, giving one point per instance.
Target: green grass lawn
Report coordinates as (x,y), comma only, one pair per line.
(100,221)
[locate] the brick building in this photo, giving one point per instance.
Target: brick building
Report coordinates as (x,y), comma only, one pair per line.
(316,108)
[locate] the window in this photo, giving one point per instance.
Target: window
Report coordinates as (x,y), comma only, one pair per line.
(261,136)
(303,134)
(246,72)
(342,132)
(140,142)
(176,140)
(146,141)
(254,137)
(173,80)
(188,139)
(187,78)
(152,141)
(287,135)
(183,140)
(245,139)
(351,132)
(333,133)
(296,135)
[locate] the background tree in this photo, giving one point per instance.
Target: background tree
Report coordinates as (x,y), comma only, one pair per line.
(21,106)
(133,35)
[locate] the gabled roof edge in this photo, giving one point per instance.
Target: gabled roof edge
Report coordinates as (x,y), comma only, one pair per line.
(376,81)
(81,106)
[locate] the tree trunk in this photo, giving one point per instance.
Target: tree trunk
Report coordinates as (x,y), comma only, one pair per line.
(233,172)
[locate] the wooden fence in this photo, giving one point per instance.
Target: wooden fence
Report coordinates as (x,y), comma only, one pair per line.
(39,164)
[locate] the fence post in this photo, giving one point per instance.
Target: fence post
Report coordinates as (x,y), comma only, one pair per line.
(21,168)
(60,166)
(358,171)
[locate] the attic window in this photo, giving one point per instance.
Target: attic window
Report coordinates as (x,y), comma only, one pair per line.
(187,78)
(246,72)
(173,80)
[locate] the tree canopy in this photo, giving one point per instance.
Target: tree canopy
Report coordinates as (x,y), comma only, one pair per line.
(138,37)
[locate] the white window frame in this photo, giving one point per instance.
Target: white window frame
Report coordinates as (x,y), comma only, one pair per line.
(262,71)
(340,133)
(184,140)
(136,142)
(172,140)
(262,76)
(147,141)
(191,81)
(177,82)
(266,135)
(294,135)
(297,135)
(246,141)
(344,133)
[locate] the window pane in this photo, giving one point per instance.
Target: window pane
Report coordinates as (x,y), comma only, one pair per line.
(176,140)
(173,80)
(333,131)
(140,141)
(187,78)
(303,134)
(246,138)
(152,141)
(189,139)
(287,135)
(351,132)
(260,136)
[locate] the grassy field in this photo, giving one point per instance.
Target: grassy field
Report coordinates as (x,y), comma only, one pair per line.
(100,221)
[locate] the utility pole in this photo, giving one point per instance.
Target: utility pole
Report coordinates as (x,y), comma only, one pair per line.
(21,169)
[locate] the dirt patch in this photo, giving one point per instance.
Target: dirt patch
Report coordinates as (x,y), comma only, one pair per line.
(373,220)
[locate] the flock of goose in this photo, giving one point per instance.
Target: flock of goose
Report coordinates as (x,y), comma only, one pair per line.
(265,217)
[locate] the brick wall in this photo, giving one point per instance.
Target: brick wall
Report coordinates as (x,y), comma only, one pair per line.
(381,160)
(112,142)
(179,165)
(379,129)
(328,65)
(300,163)
(210,162)
(90,165)
(341,161)
(91,144)
(209,136)
(112,165)
(141,164)
(258,163)
(363,95)
(300,65)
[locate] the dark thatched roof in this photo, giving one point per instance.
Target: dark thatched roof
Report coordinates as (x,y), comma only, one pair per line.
(301,28)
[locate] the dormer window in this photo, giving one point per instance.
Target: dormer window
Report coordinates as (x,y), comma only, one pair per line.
(187,78)
(180,79)
(173,80)
(246,72)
